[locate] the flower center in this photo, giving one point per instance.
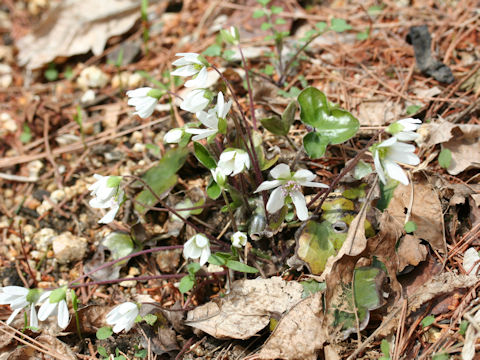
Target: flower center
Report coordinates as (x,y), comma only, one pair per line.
(290,186)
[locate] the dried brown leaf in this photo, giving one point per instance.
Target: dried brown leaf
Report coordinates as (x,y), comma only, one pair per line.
(72,28)
(410,252)
(299,334)
(246,309)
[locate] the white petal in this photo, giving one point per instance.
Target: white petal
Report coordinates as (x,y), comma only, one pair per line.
(389,142)
(109,216)
(201,240)
(15,290)
(406,136)
(190,250)
(300,204)
(199,81)
(313,184)
(19,303)
(267,185)
(304,175)
(187,70)
(281,171)
(204,135)
(99,204)
(205,255)
(276,200)
(12,316)
(63,317)
(173,136)
(395,172)
(46,310)
(33,317)
(143,91)
(220,104)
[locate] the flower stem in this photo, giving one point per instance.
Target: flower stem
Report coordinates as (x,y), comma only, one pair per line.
(230,211)
(249,87)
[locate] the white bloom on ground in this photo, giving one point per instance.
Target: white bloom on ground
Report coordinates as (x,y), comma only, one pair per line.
(144,104)
(404,129)
(197,247)
(239,239)
(286,184)
(211,119)
(219,176)
(190,64)
(20,298)
(387,154)
(195,101)
(123,316)
(54,303)
(233,161)
(106,193)
(173,136)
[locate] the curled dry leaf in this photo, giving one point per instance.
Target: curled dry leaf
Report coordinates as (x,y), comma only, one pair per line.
(426,211)
(461,139)
(247,309)
(72,28)
(410,252)
(299,334)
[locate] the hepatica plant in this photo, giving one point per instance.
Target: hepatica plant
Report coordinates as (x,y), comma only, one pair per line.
(258,192)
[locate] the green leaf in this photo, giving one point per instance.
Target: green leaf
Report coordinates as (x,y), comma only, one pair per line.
(241,267)
(363,35)
(51,74)
(413,109)
(275,125)
(375,9)
(315,145)
(463,327)
(33,295)
(263,2)
(202,155)
(57,295)
(339,25)
(367,289)
(186,284)
(74,297)
(68,73)
(280,21)
(228,54)
(386,194)
(445,158)
(214,259)
(276,9)
(150,319)
(213,50)
(26,134)
(103,333)
(193,268)
(102,351)
(119,244)
(333,125)
(428,320)
(441,356)
(310,287)
(321,26)
(361,170)
(258,13)
(113,181)
(265,26)
(385,347)
(213,190)
(142,354)
(269,70)
(161,177)
(410,227)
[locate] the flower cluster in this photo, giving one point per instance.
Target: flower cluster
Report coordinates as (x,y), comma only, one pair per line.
(53,303)
(388,153)
(106,193)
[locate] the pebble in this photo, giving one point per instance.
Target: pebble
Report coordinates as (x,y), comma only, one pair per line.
(92,77)
(43,239)
(132,272)
(34,168)
(5,76)
(68,247)
(87,96)
(7,124)
(126,80)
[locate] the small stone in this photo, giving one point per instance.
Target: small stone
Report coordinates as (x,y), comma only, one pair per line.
(5,76)
(34,168)
(68,247)
(87,96)
(92,77)
(132,272)
(43,239)
(138,147)
(7,124)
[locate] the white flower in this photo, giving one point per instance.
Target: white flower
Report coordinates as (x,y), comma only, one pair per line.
(54,303)
(388,153)
(144,104)
(234,161)
(288,184)
(211,119)
(195,101)
(219,176)
(404,130)
(107,194)
(173,136)
(197,247)
(239,239)
(190,64)
(123,316)
(20,298)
